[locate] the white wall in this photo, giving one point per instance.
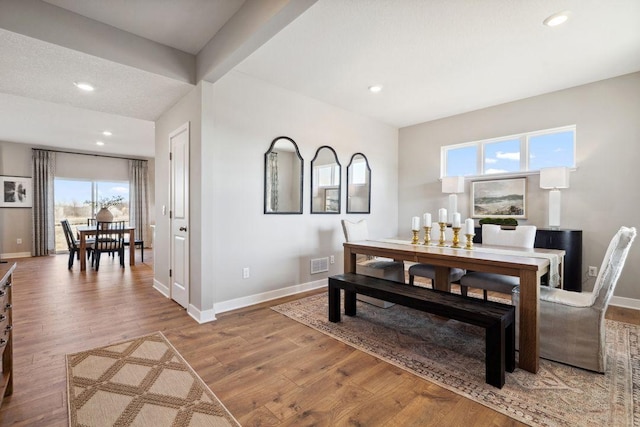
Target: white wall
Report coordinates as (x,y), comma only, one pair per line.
(246,115)
(603,194)
(187,110)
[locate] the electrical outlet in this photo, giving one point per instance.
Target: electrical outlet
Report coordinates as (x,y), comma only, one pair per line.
(332,259)
(19,241)
(245,273)
(593,271)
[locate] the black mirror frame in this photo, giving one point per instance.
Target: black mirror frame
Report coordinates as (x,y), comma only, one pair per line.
(266,161)
(368,211)
(335,156)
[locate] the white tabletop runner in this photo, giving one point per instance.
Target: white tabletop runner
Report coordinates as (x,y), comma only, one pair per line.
(554,259)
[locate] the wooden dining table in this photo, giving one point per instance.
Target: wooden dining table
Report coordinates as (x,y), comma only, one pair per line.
(528,267)
(90,230)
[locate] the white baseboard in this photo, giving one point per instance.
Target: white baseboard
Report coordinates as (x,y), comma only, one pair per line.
(201,316)
(16,255)
(210,315)
(233,304)
(625,302)
(164,290)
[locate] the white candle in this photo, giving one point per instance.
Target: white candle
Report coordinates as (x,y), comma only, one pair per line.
(456,220)
(415,223)
(442,215)
(427,219)
(468,226)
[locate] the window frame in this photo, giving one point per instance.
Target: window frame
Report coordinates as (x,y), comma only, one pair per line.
(524,139)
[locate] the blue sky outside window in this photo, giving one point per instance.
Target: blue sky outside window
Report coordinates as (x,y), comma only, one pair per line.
(462,161)
(502,157)
(551,150)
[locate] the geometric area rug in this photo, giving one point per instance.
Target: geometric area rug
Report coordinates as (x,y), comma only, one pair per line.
(139,382)
(451,354)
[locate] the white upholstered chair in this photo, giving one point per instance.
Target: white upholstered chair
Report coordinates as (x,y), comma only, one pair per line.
(376,267)
(523,236)
(572,324)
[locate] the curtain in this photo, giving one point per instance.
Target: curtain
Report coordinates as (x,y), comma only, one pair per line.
(43,233)
(272,182)
(138,197)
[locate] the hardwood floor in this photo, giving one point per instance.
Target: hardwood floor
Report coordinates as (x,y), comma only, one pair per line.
(268,370)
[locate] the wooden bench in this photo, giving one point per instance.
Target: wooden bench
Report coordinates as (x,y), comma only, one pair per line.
(498,320)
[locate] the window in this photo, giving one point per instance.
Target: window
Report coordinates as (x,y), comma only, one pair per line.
(526,152)
(551,149)
(359,172)
(75,200)
(462,161)
(501,157)
(328,176)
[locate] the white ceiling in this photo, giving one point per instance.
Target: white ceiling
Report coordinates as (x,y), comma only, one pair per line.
(40,105)
(445,57)
(434,58)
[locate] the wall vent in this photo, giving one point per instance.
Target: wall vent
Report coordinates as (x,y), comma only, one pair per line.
(319,265)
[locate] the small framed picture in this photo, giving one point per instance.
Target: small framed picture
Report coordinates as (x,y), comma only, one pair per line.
(16,192)
(499,198)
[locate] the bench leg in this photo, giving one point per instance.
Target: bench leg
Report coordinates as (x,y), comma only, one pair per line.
(334,303)
(510,347)
(495,355)
(349,303)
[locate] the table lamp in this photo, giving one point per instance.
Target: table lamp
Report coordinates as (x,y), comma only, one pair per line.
(553,179)
(452,185)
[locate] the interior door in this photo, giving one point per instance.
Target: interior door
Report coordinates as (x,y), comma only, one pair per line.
(179,159)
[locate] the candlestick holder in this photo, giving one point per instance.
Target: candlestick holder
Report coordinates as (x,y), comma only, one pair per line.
(414,241)
(469,244)
(456,237)
(443,226)
(427,236)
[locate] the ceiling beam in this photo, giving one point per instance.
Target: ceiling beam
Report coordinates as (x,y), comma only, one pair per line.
(52,24)
(248,29)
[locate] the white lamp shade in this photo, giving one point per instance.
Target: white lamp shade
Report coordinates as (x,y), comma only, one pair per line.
(453,184)
(554,178)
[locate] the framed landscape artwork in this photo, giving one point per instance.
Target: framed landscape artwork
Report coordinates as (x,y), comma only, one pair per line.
(500,198)
(16,192)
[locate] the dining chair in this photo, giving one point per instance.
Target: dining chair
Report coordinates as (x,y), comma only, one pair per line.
(109,239)
(572,324)
(136,243)
(523,236)
(72,244)
(428,270)
(372,266)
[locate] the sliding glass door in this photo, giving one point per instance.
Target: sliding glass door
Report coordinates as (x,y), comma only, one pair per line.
(77,200)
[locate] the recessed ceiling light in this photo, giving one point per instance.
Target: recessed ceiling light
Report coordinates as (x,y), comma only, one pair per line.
(556,19)
(99,143)
(375,88)
(107,133)
(87,87)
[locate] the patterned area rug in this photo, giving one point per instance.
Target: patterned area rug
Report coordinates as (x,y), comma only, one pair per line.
(139,382)
(451,354)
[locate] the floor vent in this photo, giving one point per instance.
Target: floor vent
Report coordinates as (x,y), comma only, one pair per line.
(319,265)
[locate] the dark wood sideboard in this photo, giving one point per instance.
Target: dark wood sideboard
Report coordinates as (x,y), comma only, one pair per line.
(6,336)
(568,240)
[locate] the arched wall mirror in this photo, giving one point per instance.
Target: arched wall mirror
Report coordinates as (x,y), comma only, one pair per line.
(325,182)
(283,169)
(358,185)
